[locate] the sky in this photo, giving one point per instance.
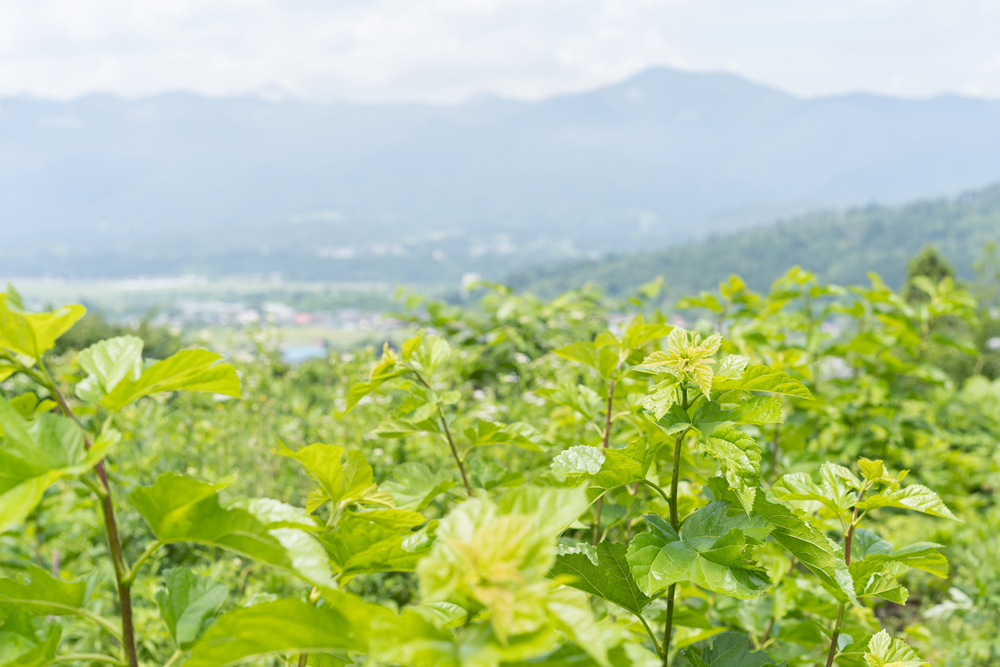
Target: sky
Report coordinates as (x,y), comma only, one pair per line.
(444,51)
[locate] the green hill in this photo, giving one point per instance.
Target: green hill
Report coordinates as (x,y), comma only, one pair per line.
(841,247)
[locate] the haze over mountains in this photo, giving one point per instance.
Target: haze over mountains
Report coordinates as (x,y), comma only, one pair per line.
(107,187)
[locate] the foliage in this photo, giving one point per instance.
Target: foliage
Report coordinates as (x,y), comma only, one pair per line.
(521,482)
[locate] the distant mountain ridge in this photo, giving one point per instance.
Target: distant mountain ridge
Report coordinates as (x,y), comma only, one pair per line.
(840,247)
(103,187)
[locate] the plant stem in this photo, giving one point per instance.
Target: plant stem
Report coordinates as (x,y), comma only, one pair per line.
(775,452)
(847,561)
(303,657)
(174,658)
(669,628)
(656,488)
(150,550)
(110,525)
(649,631)
(607,438)
(447,433)
(675,523)
(454,452)
(607,423)
(834,637)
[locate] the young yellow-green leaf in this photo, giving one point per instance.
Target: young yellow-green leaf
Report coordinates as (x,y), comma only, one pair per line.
(518,434)
(44,595)
(285,627)
(35,455)
(578,460)
(729,649)
(709,551)
(429,355)
(412,640)
(878,579)
(379,541)
(732,367)
(569,610)
(838,491)
(26,640)
(602,571)
(189,604)
(188,370)
(763,378)
(662,397)
(32,334)
(600,359)
(6,370)
(414,485)
(342,478)
(916,497)
(107,363)
(886,651)
(739,455)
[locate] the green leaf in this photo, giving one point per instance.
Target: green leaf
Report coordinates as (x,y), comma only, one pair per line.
(600,359)
(414,485)
(181,509)
(189,604)
(732,367)
(517,434)
(606,574)
(886,651)
(763,378)
(32,334)
(285,627)
(107,363)
(866,545)
(379,541)
(44,595)
(428,357)
(838,490)
(625,465)
(916,497)
(729,649)
(343,479)
(188,370)
(878,579)
(26,640)
(552,509)
(740,456)
(790,529)
(709,551)
(35,455)
(579,460)
(412,640)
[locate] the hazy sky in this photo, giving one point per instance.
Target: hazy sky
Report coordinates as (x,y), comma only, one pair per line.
(447,50)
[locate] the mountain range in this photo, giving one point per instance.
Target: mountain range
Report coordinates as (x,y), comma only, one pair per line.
(178,183)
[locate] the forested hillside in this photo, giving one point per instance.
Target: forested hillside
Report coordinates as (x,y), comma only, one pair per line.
(840,247)
(104,187)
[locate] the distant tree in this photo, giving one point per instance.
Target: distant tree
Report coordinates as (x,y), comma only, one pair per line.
(929,263)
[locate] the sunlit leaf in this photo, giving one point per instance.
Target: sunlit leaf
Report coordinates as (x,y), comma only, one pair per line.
(188,370)
(709,551)
(886,651)
(286,627)
(36,454)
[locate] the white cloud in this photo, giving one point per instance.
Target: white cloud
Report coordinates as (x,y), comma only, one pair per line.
(446,50)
